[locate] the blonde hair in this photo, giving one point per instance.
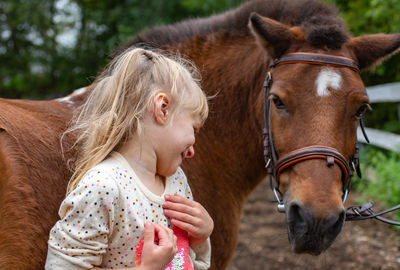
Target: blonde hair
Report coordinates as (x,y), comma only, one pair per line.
(123,93)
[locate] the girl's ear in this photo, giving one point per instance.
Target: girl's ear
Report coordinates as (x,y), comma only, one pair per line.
(161,108)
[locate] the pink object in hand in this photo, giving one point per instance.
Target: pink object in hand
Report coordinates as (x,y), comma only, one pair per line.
(181,261)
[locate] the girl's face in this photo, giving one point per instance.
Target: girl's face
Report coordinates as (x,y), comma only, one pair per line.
(176,142)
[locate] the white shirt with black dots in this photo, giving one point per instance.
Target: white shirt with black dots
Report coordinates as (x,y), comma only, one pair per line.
(103,219)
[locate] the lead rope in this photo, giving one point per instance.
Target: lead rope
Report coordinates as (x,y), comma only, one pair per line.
(363,212)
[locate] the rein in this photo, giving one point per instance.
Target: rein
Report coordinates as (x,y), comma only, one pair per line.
(276,165)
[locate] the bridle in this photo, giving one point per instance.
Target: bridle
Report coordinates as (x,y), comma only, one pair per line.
(276,165)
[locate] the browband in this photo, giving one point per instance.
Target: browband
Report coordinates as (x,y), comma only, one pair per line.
(317,59)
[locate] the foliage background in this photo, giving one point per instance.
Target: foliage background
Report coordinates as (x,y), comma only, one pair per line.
(50,47)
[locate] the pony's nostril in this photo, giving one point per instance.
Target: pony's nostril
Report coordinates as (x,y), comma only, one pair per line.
(298,219)
(308,233)
(333,224)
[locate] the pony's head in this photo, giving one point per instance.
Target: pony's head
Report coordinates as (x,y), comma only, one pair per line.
(316,105)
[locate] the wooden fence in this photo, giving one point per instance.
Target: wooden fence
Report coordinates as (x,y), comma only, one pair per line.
(383,93)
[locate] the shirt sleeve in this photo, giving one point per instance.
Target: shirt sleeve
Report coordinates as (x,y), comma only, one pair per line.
(201,254)
(80,238)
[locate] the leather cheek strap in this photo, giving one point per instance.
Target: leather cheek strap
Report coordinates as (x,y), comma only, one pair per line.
(331,155)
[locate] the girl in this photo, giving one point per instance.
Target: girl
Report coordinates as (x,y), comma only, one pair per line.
(128,203)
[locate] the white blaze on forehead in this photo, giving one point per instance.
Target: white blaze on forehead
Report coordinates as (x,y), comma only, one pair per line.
(327,77)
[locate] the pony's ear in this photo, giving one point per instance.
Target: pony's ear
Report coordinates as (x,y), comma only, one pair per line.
(371,50)
(274,36)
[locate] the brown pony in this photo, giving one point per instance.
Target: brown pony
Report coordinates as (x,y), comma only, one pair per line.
(312,105)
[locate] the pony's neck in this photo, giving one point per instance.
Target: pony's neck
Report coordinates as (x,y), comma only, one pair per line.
(232,71)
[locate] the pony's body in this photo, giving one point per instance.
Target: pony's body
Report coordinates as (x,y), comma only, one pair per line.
(32,181)
(229,162)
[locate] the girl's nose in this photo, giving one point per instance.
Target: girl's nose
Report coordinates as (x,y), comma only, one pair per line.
(190,152)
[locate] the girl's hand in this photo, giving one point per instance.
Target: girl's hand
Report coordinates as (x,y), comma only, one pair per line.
(157,256)
(189,216)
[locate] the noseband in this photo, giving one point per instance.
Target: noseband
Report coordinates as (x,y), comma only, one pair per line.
(276,165)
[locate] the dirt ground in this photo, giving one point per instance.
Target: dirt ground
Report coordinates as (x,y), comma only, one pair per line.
(263,242)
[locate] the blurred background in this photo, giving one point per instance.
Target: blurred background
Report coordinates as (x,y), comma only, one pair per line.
(48,48)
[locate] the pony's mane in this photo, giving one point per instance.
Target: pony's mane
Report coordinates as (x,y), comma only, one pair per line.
(321,23)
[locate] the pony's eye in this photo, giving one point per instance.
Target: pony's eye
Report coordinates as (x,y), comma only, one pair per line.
(363,108)
(278,103)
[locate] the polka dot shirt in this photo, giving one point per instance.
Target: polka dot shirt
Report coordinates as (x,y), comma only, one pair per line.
(103,219)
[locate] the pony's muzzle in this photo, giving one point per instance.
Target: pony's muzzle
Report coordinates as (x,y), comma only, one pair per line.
(310,234)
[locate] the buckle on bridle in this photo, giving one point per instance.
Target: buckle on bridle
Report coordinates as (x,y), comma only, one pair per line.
(268,80)
(281,205)
(267,164)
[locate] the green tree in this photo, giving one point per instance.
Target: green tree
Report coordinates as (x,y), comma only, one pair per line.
(38,61)
(27,48)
